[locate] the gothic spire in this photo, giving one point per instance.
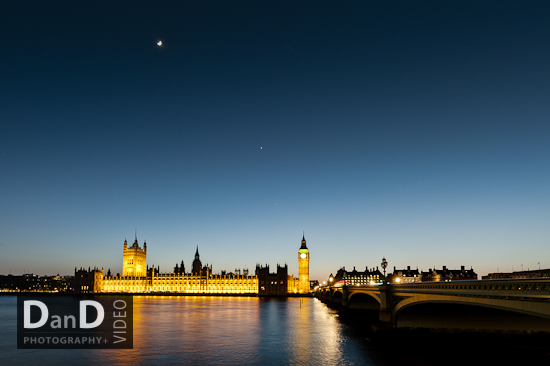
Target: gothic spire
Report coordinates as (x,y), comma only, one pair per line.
(303,242)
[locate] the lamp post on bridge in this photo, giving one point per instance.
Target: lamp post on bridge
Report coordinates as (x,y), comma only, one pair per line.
(385,298)
(384,265)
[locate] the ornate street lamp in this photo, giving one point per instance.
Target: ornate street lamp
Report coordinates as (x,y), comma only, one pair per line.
(384,265)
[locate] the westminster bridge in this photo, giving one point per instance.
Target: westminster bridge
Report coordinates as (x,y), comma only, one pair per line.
(493,305)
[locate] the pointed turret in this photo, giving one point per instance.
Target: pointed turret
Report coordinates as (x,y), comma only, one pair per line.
(197,262)
(303,242)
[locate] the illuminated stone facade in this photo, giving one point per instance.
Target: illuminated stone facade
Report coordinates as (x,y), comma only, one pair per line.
(137,278)
(303,268)
(134,260)
(191,283)
(292,285)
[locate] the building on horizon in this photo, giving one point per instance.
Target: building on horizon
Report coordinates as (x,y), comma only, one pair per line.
(368,277)
(447,275)
(138,277)
(374,276)
(88,281)
(536,273)
(273,284)
(30,282)
(405,275)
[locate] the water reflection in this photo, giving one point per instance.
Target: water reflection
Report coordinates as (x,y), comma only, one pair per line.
(236,330)
(219,331)
(193,330)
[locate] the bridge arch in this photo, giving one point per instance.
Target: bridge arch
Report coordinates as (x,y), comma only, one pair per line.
(360,294)
(363,300)
(337,295)
(470,313)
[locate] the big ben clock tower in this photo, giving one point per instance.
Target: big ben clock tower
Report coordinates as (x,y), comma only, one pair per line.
(303,268)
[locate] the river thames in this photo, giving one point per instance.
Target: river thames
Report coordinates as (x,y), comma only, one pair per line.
(206,330)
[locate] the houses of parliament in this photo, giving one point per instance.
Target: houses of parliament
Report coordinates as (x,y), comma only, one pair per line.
(138,277)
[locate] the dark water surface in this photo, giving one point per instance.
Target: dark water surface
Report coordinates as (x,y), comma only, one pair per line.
(206,330)
(212,331)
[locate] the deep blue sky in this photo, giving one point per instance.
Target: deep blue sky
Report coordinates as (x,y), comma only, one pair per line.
(414,130)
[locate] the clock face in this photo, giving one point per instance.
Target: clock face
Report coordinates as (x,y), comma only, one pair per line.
(303,255)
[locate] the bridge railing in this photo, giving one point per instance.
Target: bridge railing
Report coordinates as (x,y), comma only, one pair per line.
(531,287)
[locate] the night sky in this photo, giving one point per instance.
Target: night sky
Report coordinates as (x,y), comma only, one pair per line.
(414,130)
